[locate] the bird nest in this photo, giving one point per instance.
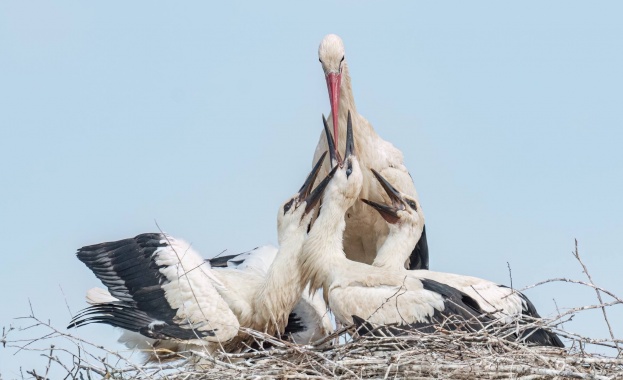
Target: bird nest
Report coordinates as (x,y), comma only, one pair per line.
(485,354)
(489,353)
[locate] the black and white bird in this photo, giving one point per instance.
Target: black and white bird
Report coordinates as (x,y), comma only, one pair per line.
(160,288)
(365,230)
(402,213)
(377,294)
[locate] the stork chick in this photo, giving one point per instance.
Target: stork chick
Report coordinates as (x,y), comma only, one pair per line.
(404,221)
(162,289)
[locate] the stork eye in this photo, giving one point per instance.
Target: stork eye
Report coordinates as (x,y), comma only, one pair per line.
(287,206)
(412,204)
(349,169)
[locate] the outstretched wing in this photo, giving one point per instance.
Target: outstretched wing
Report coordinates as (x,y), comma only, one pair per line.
(163,287)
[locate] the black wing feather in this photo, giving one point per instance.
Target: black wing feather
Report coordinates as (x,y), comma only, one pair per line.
(132,319)
(127,268)
(221,261)
(461,312)
(537,336)
(419,255)
(295,324)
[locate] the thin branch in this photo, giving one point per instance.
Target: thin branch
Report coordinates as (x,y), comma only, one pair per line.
(576,254)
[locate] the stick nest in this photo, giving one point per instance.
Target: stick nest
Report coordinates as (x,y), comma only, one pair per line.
(490,353)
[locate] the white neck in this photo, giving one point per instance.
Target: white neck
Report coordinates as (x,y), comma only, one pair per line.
(347,100)
(366,138)
(362,130)
(281,289)
(323,252)
(398,246)
(323,262)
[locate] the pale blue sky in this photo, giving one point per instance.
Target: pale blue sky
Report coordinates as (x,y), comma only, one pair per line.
(204,118)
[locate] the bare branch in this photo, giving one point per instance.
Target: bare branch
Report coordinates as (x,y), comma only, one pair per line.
(576,254)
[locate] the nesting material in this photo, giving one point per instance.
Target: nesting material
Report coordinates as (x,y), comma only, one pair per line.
(488,354)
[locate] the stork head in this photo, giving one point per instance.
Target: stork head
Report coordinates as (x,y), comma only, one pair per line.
(297,211)
(401,210)
(331,56)
(347,181)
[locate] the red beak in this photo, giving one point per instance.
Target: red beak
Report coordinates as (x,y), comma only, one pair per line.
(333,84)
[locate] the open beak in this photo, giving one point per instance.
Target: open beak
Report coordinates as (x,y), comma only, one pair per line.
(333,153)
(394,195)
(315,196)
(350,142)
(333,85)
(389,213)
(306,189)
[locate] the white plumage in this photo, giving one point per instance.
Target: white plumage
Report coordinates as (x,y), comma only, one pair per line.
(309,319)
(193,289)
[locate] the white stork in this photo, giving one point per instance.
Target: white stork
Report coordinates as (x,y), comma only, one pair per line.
(365,230)
(380,295)
(505,304)
(160,287)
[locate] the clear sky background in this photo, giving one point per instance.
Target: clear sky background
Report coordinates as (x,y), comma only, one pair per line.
(204,119)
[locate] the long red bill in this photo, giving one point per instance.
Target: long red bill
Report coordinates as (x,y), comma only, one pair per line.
(333,85)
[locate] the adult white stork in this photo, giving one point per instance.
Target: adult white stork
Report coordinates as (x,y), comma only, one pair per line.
(365,230)
(507,305)
(161,288)
(378,294)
